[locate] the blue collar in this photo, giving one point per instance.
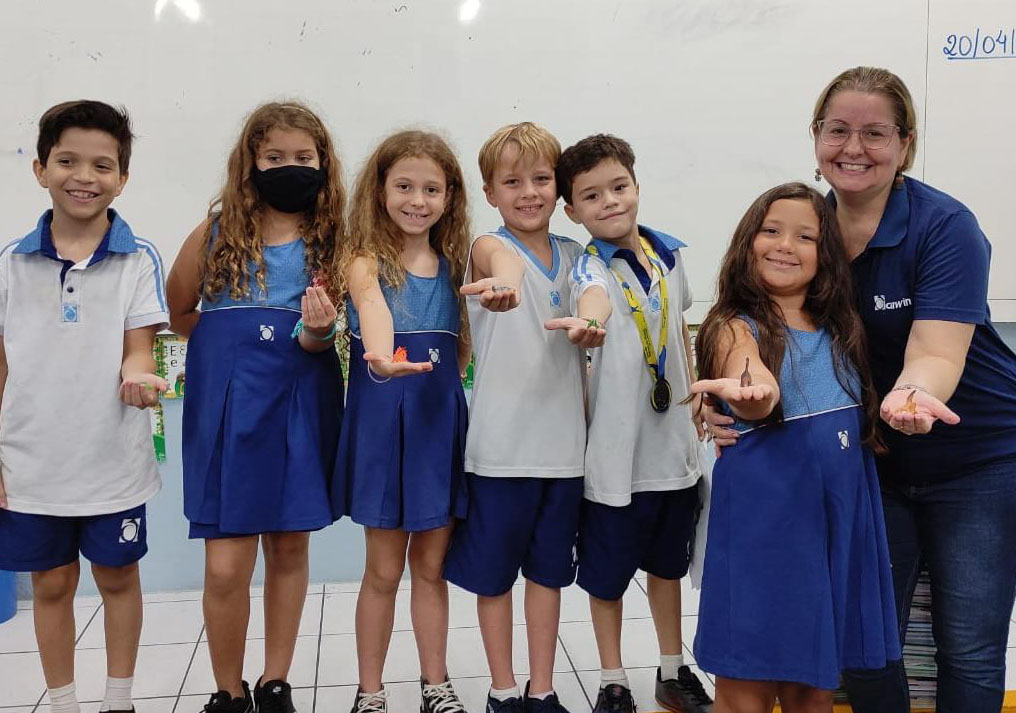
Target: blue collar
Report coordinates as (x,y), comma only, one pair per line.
(892,227)
(118,239)
(555,264)
(663,245)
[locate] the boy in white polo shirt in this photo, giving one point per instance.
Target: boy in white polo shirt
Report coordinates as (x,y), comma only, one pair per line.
(642,466)
(81,299)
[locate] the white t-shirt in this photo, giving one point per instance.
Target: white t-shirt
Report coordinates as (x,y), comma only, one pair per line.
(631,448)
(68,445)
(526,415)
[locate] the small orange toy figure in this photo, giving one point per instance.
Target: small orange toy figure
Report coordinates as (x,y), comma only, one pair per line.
(400,355)
(911,405)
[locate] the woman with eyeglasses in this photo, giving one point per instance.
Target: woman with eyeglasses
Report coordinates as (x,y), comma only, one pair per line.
(947,383)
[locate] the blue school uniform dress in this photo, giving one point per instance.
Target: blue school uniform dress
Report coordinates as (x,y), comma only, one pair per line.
(261,417)
(400,456)
(796,584)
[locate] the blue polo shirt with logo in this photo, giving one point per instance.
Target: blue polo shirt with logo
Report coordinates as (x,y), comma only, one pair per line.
(929,260)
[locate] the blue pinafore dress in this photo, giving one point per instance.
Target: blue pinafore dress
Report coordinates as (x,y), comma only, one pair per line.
(400,456)
(796,583)
(261,416)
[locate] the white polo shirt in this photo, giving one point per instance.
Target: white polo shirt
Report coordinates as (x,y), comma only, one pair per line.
(526,415)
(631,448)
(68,445)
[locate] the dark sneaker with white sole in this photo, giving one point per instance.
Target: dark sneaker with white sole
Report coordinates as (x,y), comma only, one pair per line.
(222,702)
(273,697)
(614,698)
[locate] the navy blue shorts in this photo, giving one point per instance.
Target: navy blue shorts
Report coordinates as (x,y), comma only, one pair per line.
(530,523)
(36,543)
(654,533)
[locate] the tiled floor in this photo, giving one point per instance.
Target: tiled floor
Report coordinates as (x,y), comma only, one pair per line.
(174,674)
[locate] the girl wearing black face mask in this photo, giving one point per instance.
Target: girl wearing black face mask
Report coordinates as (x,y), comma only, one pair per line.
(264,387)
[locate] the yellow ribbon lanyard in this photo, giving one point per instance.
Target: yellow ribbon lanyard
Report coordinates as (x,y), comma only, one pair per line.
(656,364)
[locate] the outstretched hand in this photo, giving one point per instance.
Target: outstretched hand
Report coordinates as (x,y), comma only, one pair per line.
(911,411)
(731,391)
(317,312)
(142,390)
(494,295)
(387,367)
(585,333)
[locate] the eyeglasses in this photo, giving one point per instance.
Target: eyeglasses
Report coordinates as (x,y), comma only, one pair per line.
(872,136)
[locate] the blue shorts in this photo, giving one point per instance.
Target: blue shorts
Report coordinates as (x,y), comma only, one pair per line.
(654,533)
(36,543)
(530,523)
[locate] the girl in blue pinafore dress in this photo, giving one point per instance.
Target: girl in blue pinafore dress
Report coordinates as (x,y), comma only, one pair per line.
(264,388)
(796,584)
(400,458)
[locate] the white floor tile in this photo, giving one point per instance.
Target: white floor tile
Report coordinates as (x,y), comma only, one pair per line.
(173,622)
(158,672)
(1012,634)
(339,614)
(310,620)
(21,678)
(18,634)
(141,705)
(1010,669)
(20,709)
(301,674)
(337,661)
(689,598)
(643,686)
(638,644)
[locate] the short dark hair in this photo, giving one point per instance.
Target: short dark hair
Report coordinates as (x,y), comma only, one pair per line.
(86,114)
(586,154)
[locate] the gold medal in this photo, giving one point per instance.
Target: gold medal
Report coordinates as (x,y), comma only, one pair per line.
(659,397)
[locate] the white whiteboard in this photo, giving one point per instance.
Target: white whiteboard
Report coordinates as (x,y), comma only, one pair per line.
(714,95)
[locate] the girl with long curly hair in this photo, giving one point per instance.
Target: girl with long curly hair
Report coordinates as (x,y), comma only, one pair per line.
(400,460)
(264,387)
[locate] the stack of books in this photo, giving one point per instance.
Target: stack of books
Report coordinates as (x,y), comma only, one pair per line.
(919,647)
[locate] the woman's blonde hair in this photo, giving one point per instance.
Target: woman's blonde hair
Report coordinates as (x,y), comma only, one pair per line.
(237,210)
(874,80)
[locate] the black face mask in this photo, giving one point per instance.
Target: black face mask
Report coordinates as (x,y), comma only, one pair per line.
(289,189)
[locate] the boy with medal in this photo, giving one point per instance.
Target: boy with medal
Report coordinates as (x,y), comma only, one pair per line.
(642,465)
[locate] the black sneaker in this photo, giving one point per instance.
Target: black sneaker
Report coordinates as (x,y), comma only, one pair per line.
(511,705)
(614,698)
(222,702)
(684,694)
(550,704)
(273,697)
(439,698)
(370,702)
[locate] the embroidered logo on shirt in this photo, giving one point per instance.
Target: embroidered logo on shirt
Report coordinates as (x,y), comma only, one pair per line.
(844,440)
(130,530)
(882,304)
(555,298)
(435,356)
(654,303)
(267,332)
(70,312)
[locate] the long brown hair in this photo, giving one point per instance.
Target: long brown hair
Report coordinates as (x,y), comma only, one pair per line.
(829,302)
(373,233)
(238,208)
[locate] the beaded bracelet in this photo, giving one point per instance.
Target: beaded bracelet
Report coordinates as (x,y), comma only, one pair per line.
(300,329)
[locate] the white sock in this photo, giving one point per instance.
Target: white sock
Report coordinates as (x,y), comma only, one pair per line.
(613,675)
(542,696)
(64,699)
(503,694)
(118,694)
(669,663)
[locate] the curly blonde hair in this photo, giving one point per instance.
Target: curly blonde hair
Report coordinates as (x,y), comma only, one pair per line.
(373,233)
(237,210)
